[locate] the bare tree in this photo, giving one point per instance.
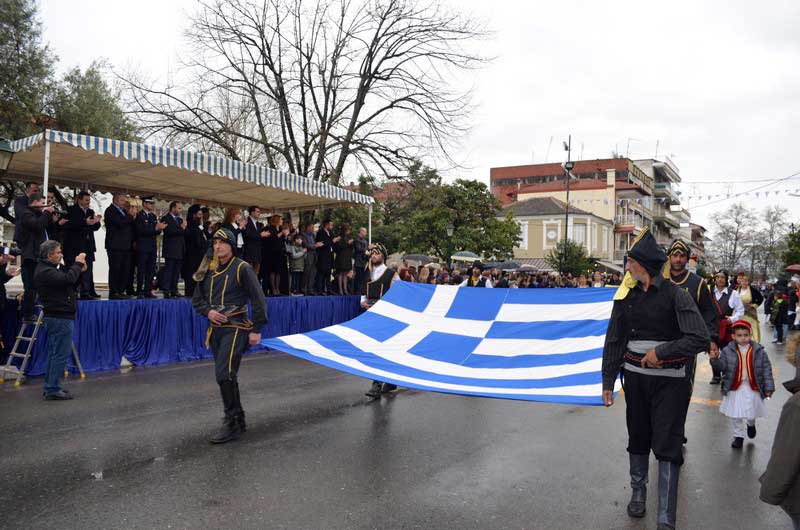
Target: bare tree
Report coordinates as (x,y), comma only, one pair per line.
(773,239)
(734,230)
(312,87)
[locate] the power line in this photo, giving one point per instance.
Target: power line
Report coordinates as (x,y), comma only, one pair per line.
(772,183)
(737,181)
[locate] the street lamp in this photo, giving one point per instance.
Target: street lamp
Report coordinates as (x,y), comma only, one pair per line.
(450,228)
(6,153)
(568,165)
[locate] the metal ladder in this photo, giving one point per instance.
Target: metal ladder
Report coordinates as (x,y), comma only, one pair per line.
(9,371)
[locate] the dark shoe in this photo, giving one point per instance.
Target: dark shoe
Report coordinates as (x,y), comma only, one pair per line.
(229,432)
(149,294)
(715,380)
(61,395)
(639,468)
(375,390)
(118,296)
(668,473)
(95,296)
(388,387)
(685,440)
(737,442)
(751,431)
(167,295)
(140,296)
(242,423)
(86,297)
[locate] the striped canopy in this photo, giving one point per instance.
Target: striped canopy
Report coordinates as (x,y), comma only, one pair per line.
(114,165)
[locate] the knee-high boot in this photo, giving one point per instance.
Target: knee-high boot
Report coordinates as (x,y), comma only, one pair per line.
(230,429)
(667,494)
(639,468)
(239,409)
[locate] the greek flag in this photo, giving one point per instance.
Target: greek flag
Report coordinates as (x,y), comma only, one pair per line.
(528,344)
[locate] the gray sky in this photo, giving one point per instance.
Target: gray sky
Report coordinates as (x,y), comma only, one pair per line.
(715,83)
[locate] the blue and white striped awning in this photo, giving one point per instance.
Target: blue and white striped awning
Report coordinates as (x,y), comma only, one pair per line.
(107,164)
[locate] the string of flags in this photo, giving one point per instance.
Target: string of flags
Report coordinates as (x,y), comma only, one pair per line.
(701,197)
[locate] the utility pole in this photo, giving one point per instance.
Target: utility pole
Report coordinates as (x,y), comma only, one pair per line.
(568,165)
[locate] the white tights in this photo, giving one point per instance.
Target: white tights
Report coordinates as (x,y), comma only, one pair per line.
(738,425)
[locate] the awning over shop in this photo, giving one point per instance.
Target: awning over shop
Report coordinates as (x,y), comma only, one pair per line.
(104,164)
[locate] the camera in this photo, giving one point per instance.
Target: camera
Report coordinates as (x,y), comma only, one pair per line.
(10,251)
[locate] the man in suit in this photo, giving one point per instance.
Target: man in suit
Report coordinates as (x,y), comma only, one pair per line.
(79,231)
(35,221)
(119,245)
(20,204)
(147,228)
(324,257)
(173,249)
(196,247)
(253,234)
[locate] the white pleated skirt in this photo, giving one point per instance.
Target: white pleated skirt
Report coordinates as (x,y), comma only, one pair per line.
(744,403)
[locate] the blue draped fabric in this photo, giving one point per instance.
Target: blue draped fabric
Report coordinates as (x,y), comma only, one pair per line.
(153,332)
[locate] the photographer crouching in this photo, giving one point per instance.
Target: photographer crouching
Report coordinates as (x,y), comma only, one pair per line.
(56,286)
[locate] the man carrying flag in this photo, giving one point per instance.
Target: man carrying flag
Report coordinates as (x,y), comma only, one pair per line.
(225,285)
(380,280)
(654,332)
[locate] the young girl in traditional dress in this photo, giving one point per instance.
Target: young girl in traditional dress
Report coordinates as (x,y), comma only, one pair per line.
(746,381)
(751,299)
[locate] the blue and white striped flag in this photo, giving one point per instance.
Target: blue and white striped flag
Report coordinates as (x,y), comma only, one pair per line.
(529,344)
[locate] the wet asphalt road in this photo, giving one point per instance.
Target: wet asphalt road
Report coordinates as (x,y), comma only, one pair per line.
(131,451)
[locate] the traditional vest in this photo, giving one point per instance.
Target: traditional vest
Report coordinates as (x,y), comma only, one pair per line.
(723,304)
(377,288)
(480,282)
(691,283)
(750,366)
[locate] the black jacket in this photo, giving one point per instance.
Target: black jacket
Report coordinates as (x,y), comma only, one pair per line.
(4,278)
(33,228)
(56,287)
(119,229)
(196,246)
(252,242)
(325,252)
(145,228)
(78,236)
(20,205)
(174,246)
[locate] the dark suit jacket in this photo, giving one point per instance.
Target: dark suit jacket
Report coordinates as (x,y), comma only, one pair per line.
(325,252)
(33,227)
(119,229)
(174,245)
(20,205)
(252,242)
(196,246)
(145,228)
(78,236)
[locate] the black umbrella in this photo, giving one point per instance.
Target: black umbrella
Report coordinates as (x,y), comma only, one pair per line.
(502,265)
(420,258)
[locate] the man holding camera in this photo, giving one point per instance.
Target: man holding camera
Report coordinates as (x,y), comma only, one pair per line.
(56,285)
(79,231)
(35,221)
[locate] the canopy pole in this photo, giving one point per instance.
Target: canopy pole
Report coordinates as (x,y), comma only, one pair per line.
(46,176)
(369,229)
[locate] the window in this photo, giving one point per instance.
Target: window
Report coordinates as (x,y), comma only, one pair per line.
(552,233)
(596,233)
(605,239)
(523,227)
(579,234)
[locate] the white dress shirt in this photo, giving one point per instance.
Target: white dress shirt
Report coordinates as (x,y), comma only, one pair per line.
(734,301)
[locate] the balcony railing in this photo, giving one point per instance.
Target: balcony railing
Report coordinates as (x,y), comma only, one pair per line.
(619,255)
(634,220)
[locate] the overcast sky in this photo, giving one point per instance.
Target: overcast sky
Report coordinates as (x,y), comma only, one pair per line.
(716,84)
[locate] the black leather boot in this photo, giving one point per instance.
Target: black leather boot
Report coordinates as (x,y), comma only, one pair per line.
(639,467)
(239,409)
(667,494)
(388,387)
(375,390)
(230,429)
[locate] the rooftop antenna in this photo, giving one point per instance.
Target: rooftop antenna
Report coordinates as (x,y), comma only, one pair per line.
(547,154)
(581,157)
(656,155)
(533,156)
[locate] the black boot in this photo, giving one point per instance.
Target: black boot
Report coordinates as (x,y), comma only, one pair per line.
(388,387)
(230,425)
(639,467)
(667,494)
(375,390)
(239,409)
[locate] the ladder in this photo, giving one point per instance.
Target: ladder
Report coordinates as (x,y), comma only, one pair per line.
(9,371)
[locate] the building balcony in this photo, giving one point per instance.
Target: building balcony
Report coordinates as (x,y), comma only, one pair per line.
(668,191)
(628,223)
(619,255)
(667,218)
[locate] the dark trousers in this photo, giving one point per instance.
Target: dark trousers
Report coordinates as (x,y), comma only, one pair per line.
(29,296)
(323,281)
(297,281)
(228,345)
(655,411)
(59,346)
(145,270)
(172,271)
(86,280)
(359,281)
(119,266)
(309,272)
(130,282)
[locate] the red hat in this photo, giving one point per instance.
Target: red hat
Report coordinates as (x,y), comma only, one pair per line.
(742,324)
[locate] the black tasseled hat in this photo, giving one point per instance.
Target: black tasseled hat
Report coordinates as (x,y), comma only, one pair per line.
(647,252)
(679,245)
